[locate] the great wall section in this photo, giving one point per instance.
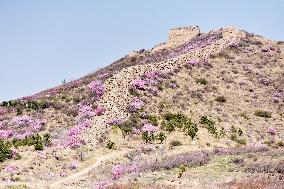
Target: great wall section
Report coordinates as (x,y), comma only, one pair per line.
(117,97)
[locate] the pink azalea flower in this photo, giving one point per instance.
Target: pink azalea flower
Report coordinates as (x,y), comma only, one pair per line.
(73,142)
(86,111)
(97,87)
(149,128)
(74,131)
(63,174)
(152,74)
(193,62)
(74,165)
(99,111)
(271,131)
(102,185)
(11,169)
(136,104)
(138,84)
(5,134)
(3,111)
(117,171)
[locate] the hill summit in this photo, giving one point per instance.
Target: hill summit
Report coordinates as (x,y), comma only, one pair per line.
(202,110)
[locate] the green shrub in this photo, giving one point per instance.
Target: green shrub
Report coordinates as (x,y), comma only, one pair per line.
(17,156)
(19,111)
(11,103)
(190,129)
(262,113)
(244,115)
(148,137)
(110,145)
(172,121)
(133,92)
(46,139)
(210,125)
(161,137)
(19,186)
(153,119)
(176,143)
(202,81)
(234,137)
(5,151)
(241,141)
(222,132)
(280,143)
(126,127)
(221,99)
(181,170)
(38,142)
(35,140)
(238,131)
(206,121)
(36,104)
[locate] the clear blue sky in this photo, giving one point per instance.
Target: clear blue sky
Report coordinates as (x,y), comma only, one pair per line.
(44,42)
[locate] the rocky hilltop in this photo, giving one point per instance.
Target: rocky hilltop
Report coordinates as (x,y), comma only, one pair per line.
(202,110)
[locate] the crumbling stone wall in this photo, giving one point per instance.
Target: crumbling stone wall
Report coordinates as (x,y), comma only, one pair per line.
(178,36)
(117,96)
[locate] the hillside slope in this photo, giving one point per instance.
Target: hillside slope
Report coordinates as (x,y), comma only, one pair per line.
(203,110)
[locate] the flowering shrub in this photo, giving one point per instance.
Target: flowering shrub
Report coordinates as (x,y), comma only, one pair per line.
(2,111)
(97,87)
(152,75)
(5,134)
(136,131)
(103,185)
(193,62)
(103,75)
(27,122)
(63,174)
(74,165)
(99,111)
(188,159)
(24,135)
(138,84)
(149,128)
(22,121)
(117,172)
(173,85)
(276,97)
(11,169)
(135,105)
(86,112)
(148,132)
(271,131)
(117,121)
(74,131)
(73,142)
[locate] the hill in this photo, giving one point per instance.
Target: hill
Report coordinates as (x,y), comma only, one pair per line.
(202,110)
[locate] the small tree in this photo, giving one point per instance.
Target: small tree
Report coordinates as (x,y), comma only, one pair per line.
(181,170)
(161,137)
(38,142)
(191,129)
(110,145)
(5,151)
(148,136)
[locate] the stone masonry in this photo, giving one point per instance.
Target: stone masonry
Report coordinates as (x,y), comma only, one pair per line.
(117,96)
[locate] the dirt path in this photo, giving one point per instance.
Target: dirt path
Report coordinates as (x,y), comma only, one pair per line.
(84,171)
(75,176)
